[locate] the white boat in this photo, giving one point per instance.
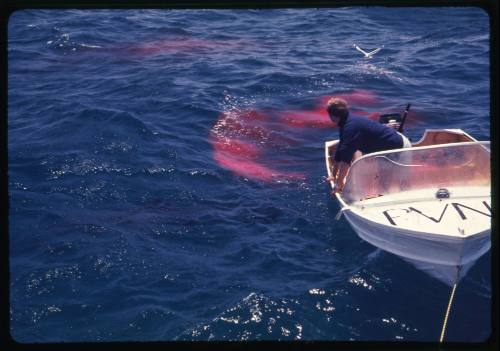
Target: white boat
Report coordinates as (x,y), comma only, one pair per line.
(429,204)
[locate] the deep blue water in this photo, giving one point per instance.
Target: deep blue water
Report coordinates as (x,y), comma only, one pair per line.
(124,226)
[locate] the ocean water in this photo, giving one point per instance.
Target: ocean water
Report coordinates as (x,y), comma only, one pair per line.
(166,172)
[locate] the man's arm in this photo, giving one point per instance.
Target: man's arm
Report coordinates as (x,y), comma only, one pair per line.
(339,179)
(334,172)
(340,169)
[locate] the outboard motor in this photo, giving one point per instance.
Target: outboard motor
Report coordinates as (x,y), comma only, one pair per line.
(390,118)
(395,119)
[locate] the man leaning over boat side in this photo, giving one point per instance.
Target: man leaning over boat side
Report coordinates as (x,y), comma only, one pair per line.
(358,134)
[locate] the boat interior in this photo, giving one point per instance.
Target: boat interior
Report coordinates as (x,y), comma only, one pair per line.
(417,167)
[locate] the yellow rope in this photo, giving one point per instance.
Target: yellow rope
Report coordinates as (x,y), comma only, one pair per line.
(447,313)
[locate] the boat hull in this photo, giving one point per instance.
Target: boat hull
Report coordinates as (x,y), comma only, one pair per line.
(447,258)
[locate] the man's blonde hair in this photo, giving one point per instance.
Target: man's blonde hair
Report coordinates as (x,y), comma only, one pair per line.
(338,107)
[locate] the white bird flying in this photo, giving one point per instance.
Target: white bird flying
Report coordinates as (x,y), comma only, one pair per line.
(367,54)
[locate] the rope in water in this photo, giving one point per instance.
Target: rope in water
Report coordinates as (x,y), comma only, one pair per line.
(447,313)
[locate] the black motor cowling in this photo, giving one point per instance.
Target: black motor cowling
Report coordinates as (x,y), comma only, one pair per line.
(443,193)
(390,117)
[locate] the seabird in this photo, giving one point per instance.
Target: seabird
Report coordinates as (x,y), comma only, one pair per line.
(367,54)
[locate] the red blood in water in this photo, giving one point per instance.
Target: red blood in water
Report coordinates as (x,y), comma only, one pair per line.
(184,44)
(240,140)
(315,119)
(237,149)
(251,169)
(246,142)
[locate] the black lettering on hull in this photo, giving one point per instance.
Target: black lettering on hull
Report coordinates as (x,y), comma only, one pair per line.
(391,218)
(456,205)
(431,218)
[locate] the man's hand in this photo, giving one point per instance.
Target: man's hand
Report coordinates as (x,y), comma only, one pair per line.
(337,189)
(393,124)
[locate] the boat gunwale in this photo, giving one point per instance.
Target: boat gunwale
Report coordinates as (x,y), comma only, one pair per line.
(417,148)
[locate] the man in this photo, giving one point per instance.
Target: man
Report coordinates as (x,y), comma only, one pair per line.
(358,133)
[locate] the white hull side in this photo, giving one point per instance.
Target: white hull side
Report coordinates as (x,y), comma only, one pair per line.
(446,274)
(438,256)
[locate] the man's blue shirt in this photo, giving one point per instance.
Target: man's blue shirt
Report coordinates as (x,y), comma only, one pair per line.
(365,135)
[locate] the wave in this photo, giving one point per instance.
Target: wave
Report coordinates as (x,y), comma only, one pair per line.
(256,316)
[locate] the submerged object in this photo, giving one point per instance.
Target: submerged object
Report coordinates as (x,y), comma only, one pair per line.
(429,204)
